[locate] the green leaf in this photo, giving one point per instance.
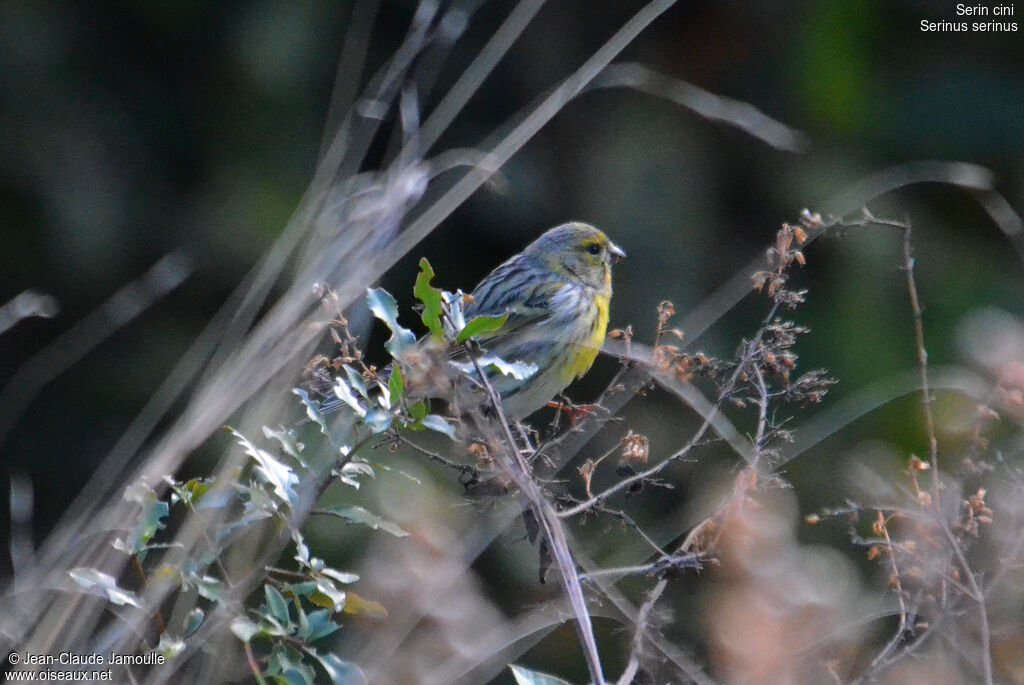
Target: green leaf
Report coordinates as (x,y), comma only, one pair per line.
(319,624)
(484,323)
(210,588)
(377,420)
(170,647)
(312,410)
(277,604)
(328,595)
(343,577)
(354,604)
(385,308)
(395,385)
(301,548)
(352,471)
(321,600)
(525,676)
(355,379)
(244,629)
(91,578)
(191,491)
(270,470)
(518,370)
(285,664)
(431,299)
(154,511)
(344,393)
(192,621)
(288,440)
(418,410)
(436,423)
(341,672)
(302,589)
(355,514)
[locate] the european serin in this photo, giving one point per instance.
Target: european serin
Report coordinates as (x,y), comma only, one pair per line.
(556,294)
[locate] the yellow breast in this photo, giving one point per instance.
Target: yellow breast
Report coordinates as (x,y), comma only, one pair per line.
(591,343)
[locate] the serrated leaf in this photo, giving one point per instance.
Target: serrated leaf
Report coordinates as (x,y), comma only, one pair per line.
(385,308)
(276,604)
(525,676)
(191,491)
(279,476)
(341,672)
(354,604)
(154,511)
(312,410)
(484,323)
(344,393)
(349,473)
(355,379)
(92,579)
(289,442)
(395,385)
(437,423)
(285,665)
(301,548)
(431,299)
(356,514)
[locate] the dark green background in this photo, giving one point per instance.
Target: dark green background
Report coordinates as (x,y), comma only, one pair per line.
(134,128)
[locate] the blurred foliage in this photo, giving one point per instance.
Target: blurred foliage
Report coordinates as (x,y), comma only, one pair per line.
(134,128)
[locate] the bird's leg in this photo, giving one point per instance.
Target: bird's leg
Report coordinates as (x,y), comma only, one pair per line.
(575,411)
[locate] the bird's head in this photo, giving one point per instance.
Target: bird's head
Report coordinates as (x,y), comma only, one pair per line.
(578,251)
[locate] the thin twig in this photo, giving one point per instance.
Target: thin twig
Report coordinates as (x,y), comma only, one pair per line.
(726,391)
(636,650)
(519,469)
(434,456)
(926,400)
(901,628)
(922,360)
(762,414)
(141,573)
(978,595)
(253,666)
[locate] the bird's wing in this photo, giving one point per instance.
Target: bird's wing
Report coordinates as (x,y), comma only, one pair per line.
(526,302)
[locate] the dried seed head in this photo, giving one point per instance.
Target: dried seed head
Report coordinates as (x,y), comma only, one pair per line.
(635,449)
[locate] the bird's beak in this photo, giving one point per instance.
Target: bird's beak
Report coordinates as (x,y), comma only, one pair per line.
(617,253)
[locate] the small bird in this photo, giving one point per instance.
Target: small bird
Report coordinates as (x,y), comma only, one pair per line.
(556,293)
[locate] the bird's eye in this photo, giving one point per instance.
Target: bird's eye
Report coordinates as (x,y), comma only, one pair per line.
(594,249)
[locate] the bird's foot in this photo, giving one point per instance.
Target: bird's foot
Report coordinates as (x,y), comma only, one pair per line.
(576,412)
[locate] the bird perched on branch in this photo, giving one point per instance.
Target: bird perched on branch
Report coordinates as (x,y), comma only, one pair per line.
(554,298)
(556,293)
